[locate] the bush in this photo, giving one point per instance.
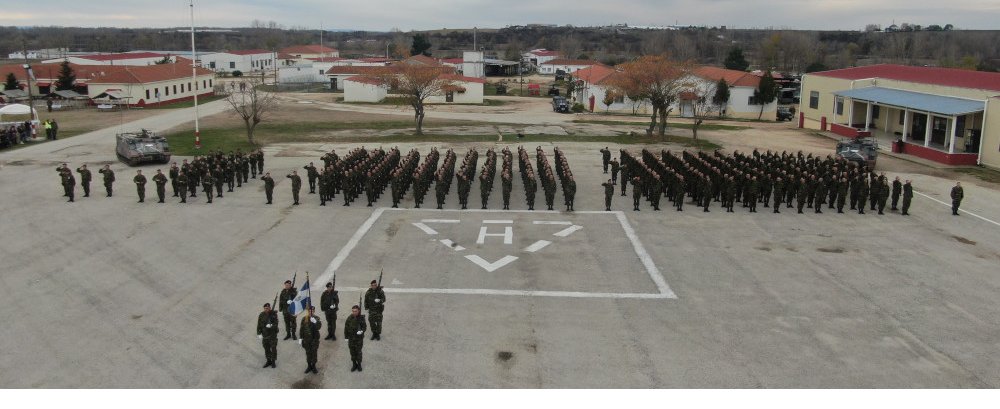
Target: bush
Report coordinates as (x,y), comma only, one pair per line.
(237,73)
(577,108)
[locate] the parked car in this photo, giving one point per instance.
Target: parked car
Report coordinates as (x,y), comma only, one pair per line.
(785,114)
(560,104)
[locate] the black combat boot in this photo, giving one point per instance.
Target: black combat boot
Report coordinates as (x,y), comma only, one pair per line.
(309,368)
(354,366)
(266,364)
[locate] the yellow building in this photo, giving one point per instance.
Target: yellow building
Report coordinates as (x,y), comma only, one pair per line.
(947,115)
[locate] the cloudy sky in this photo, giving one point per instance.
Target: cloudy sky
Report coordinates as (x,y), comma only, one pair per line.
(383,15)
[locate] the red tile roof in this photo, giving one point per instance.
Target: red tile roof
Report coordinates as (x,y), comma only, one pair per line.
(951,77)
(460,78)
(421,59)
(545,53)
(365,80)
(121,56)
(566,61)
(360,69)
(249,52)
(307,49)
(286,56)
(50,72)
(326,59)
(375,59)
(452,60)
(594,74)
(733,78)
(147,74)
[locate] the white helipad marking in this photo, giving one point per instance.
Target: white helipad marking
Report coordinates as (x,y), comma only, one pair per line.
(963,211)
(567,231)
(538,245)
(452,245)
(508,235)
(425,228)
(353,242)
(441,221)
(498,222)
(654,273)
(396,282)
(555,222)
(491,267)
(520,293)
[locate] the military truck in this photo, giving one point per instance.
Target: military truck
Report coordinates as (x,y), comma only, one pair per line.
(135,148)
(863,151)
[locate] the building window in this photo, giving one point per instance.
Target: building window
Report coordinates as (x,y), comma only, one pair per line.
(175,88)
(619,99)
(232,64)
(211,65)
(189,87)
(751,100)
(209,83)
(814,99)
(203,84)
(875,111)
(839,105)
(166,91)
(147,94)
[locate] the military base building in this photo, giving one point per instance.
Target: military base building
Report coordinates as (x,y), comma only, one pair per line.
(946,115)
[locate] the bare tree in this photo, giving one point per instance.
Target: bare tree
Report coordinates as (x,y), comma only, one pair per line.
(415,83)
(700,93)
(251,103)
(658,80)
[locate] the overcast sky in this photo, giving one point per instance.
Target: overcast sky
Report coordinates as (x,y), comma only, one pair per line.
(383,15)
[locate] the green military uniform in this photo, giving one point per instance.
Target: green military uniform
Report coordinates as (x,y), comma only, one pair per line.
(609,191)
(296,186)
(109,179)
(907,198)
(311,174)
(330,303)
(354,332)
(309,332)
(140,187)
(85,178)
(375,304)
(268,187)
(284,301)
(957,194)
(161,186)
(182,181)
(267,331)
(206,185)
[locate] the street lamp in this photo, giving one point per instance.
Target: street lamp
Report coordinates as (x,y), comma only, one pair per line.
(31,97)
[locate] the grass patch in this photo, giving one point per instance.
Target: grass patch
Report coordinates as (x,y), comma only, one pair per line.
(189,103)
(981,173)
(681,125)
(182,143)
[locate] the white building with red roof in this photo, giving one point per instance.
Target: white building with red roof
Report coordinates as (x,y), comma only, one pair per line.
(539,56)
(360,88)
(310,51)
(245,61)
(133,58)
(150,85)
(947,115)
(565,65)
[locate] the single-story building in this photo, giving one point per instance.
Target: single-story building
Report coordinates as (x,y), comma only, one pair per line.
(460,90)
(309,51)
(153,84)
(133,58)
(568,66)
(360,88)
(539,56)
(239,60)
(947,115)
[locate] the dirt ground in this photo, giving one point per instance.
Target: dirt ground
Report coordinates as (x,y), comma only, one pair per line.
(77,121)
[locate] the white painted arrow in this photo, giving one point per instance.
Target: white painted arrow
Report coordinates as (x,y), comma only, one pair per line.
(491,267)
(567,231)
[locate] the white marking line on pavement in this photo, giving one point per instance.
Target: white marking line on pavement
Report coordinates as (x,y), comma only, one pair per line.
(491,267)
(538,245)
(654,273)
(440,221)
(451,245)
(508,235)
(948,205)
(520,293)
(498,222)
(425,228)
(567,231)
(353,242)
(556,222)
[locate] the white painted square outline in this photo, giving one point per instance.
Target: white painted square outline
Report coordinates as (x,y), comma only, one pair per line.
(654,273)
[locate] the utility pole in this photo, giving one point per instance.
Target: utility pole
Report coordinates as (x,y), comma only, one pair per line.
(194,78)
(27,80)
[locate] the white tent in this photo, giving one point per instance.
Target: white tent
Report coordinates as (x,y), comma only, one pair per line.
(17,109)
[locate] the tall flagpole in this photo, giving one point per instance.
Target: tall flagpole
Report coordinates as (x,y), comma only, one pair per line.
(194,79)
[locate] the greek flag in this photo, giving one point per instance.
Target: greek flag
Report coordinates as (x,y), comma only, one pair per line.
(301,300)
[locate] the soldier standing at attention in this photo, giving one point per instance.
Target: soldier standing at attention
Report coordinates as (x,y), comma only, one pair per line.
(570,193)
(182,181)
(606,158)
(174,171)
(862,194)
(284,302)
(507,184)
(779,193)
(897,188)
(907,197)
(636,193)
(309,338)
(354,331)
(956,198)
(267,333)
(69,183)
(140,185)
(329,302)
(161,185)
(609,191)
(109,178)
(268,186)
(296,186)
(375,304)
(841,194)
(312,174)
(206,185)
(85,178)
(615,167)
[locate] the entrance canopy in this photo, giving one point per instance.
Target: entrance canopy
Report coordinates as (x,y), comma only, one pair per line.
(948,106)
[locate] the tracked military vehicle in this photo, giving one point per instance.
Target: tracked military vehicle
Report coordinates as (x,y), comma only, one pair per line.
(863,151)
(135,148)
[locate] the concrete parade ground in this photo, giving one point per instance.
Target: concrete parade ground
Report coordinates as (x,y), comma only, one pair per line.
(110,293)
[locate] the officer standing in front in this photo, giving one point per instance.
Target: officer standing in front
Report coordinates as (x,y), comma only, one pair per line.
(268,186)
(330,303)
(375,304)
(354,331)
(309,338)
(267,332)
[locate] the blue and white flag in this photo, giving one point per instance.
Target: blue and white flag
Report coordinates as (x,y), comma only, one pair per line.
(301,300)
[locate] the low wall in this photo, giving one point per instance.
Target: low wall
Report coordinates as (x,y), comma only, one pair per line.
(955,159)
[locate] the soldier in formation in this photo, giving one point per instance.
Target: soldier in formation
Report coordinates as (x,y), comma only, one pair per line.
(109,178)
(285,300)
(309,338)
(330,303)
(85,178)
(375,304)
(161,185)
(354,332)
(267,332)
(140,185)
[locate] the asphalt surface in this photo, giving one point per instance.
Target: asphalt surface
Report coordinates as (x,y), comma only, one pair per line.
(110,293)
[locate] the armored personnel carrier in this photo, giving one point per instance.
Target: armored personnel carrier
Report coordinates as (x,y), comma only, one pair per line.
(863,151)
(136,148)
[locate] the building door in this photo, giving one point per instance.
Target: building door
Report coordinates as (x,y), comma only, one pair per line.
(687,109)
(919,127)
(333,84)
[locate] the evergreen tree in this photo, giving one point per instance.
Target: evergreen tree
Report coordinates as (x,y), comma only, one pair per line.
(736,61)
(420,45)
(766,92)
(721,97)
(11,82)
(66,77)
